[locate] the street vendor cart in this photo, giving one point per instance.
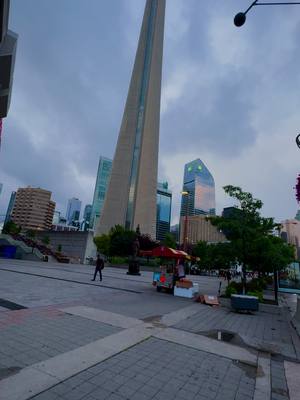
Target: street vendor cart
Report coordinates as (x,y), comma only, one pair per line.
(167,278)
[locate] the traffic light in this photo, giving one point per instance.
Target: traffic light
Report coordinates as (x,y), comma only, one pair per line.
(298,189)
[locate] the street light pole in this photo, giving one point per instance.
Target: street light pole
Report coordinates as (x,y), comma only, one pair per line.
(240,18)
(185,193)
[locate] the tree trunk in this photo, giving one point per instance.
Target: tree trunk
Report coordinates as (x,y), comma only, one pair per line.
(244,279)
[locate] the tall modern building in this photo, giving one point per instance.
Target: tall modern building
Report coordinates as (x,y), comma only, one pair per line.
(10,207)
(73,210)
(163,214)
(198,228)
(199,185)
(131,194)
(87,214)
(290,232)
(56,218)
(8,47)
(103,176)
(33,209)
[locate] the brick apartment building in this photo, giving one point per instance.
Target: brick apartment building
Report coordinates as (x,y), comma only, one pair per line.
(33,209)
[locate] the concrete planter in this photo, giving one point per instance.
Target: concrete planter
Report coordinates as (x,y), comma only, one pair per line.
(296,318)
(240,302)
(225,302)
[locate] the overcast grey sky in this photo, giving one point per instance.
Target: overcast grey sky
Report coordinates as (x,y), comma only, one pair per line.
(231,96)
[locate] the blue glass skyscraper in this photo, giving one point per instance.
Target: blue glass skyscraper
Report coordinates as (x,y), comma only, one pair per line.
(163,215)
(73,210)
(199,185)
(10,207)
(103,176)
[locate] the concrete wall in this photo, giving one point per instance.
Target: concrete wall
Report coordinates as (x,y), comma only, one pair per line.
(76,245)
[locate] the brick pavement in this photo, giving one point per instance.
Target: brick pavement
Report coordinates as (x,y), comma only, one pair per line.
(264,330)
(278,380)
(30,336)
(159,370)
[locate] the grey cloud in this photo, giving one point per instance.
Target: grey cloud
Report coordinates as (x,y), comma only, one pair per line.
(72,74)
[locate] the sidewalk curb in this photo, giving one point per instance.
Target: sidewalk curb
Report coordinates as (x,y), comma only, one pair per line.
(263,377)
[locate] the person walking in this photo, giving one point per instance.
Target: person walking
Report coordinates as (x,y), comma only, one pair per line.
(99,267)
(228,276)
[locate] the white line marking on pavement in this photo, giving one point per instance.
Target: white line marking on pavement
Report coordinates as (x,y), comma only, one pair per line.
(263,378)
(103,316)
(292,374)
(208,345)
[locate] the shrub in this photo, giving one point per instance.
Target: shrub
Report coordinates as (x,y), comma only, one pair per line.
(154,262)
(256,293)
(257,284)
(230,290)
(118,260)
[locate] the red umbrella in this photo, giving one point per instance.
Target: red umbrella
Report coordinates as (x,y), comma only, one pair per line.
(163,251)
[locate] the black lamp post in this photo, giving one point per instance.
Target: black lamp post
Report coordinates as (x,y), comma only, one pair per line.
(240,18)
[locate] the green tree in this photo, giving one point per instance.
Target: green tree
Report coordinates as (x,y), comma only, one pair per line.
(11,228)
(121,241)
(102,243)
(245,227)
(31,234)
(222,255)
(203,251)
(59,248)
(169,241)
(147,243)
(46,240)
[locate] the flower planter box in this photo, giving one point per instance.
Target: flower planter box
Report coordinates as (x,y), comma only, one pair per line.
(241,302)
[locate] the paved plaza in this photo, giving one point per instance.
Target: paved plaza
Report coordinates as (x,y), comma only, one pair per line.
(65,337)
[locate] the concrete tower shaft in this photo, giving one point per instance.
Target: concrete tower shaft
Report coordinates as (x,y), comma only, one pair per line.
(131,195)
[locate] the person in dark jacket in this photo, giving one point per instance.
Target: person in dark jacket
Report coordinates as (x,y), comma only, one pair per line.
(99,267)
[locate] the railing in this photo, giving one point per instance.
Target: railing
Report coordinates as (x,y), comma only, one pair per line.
(22,245)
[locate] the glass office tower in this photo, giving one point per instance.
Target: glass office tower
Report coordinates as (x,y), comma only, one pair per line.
(73,210)
(163,208)
(10,207)
(199,185)
(103,176)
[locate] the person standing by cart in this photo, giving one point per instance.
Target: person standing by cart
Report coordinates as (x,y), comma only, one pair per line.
(180,269)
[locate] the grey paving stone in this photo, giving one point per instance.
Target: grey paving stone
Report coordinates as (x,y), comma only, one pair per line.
(192,375)
(100,393)
(42,337)
(276,396)
(126,391)
(242,396)
(141,396)
(47,396)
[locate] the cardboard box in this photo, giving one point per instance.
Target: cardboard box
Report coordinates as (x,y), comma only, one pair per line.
(184,284)
(182,292)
